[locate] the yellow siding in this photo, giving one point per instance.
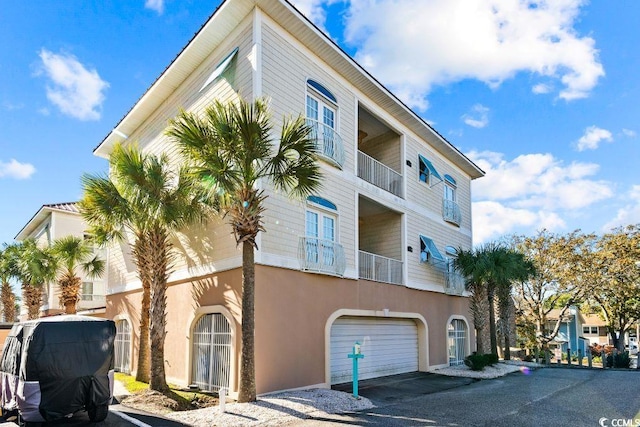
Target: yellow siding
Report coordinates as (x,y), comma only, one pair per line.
(286,69)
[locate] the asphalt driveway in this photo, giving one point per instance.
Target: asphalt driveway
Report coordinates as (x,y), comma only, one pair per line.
(545,397)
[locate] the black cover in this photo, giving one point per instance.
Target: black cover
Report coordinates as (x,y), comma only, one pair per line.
(70,357)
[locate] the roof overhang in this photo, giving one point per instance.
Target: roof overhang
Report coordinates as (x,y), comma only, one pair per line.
(230,14)
(43,213)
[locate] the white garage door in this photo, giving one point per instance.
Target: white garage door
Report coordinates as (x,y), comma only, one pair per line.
(390,346)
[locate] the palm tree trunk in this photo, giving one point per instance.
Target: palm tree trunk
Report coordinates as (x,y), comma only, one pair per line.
(492,322)
(507,344)
(247,392)
(8,302)
(32,299)
(144,350)
(70,293)
(158,316)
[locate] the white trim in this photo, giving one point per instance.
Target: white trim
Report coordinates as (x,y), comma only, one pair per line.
(191,321)
(256,53)
(421,323)
(466,322)
(125,316)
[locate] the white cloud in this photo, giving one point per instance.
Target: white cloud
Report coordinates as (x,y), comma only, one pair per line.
(478,118)
(629,133)
(77,91)
(314,10)
(592,138)
(492,220)
(532,191)
(413,45)
(11,106)
(157,5)
(15,169)
(541,88)
(629,214)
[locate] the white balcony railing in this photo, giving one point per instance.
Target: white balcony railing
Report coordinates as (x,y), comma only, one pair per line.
(379,269)
(453,283)
(451,212)
(328,142)
(379,174)
(323,256)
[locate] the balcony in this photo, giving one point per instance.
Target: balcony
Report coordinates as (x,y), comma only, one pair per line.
(378,174)
(328,142)
(321,256)
(451,212)
(378,268)
(453,282)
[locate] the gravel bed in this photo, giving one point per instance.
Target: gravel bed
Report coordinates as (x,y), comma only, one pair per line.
(275,409)
(498,370)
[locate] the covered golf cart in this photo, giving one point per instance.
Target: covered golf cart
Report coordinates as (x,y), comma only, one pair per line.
(55,366)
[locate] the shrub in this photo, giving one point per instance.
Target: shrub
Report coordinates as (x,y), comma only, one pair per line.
(620,360)
(528,358)
(476,361)
(491,359)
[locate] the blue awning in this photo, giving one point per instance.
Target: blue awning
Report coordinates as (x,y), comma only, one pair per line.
(322,202)
(432,169)
(430,249)
(323,90)
(220,68)
(450,179)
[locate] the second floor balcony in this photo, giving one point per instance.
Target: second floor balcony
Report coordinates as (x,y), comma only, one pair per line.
(378,268)
(451,212)
(328,142)
(378,174)
(321,256)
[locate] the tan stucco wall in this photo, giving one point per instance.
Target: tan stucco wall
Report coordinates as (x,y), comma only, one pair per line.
(292,310)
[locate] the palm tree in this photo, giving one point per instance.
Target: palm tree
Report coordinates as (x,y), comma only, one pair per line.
(468,263)
(75,253)
(491,269)
(35,267)
(7,271)
(231,149)
(150,199)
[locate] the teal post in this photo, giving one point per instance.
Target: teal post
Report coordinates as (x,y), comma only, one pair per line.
(355,356)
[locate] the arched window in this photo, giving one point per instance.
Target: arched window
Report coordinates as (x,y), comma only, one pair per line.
(457,330)
(122,347)
(211,352)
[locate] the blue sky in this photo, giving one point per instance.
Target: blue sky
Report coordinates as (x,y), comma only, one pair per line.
(542,95)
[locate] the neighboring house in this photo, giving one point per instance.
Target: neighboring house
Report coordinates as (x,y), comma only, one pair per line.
(594,329)
(570,335)
(367,259)
(52,222)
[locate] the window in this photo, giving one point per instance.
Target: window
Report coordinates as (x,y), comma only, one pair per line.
(320,232)
(457,332)
(211,352)
(427,172)
(321,109)
(87,291)
(122,347)
(449,188)
(590,330)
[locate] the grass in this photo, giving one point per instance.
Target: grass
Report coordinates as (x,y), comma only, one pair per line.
(181,396)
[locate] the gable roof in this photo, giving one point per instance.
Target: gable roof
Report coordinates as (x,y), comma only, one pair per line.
(224,19)
(43,213)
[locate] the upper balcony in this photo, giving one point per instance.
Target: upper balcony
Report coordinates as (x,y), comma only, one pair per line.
(328,142)
(379,154)
(451,212)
